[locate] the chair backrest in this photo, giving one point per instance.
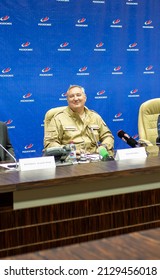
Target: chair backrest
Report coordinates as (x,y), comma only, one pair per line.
(147,120)
(50,114)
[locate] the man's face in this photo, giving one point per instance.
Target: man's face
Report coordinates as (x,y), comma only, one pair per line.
(76,99)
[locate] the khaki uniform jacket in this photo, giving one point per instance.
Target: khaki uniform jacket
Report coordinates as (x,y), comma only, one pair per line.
(67,126)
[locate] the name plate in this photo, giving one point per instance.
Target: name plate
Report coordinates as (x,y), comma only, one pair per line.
(36,163)
(131,153)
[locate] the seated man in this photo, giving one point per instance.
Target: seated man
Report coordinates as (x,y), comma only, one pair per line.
(78,124)
(5,142)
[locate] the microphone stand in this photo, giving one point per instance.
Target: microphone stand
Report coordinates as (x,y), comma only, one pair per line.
(95,141)
(10,155)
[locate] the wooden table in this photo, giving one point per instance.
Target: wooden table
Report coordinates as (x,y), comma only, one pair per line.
(142,245)
(48,208)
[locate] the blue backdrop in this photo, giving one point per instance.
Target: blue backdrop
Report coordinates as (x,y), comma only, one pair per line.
(110,47)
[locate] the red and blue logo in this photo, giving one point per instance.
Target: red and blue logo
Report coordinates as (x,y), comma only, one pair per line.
(44,70)
(99,45)
(4,18)
(28,146)
(63,45)
(82,20)
(6,70)
(135,136)
(133,91)
(133,45)
(44,19)
(83,69)
(118,115)
(100,92)
(148,22)
(117,68)
(9,122)
(25,45)
(64,94)
(27,95)
(116,21)
(148,68)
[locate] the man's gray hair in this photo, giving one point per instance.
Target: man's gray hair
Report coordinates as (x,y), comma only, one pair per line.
(72,86)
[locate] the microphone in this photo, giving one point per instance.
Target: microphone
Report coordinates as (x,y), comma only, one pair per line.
(103,154)
(94,137)
(158,129)
(95,140)
(158,141)
(10,155)
(126,138)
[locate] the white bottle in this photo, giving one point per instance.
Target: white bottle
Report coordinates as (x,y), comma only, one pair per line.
(72,155)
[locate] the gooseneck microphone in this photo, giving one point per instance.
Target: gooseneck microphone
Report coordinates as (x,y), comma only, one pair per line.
(158,141)
(126,138)
(103,153)
(94,137)
(158,130)
(16,164)
(95,140)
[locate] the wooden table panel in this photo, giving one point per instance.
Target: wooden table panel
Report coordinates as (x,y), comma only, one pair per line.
(142,245)
(77,203)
